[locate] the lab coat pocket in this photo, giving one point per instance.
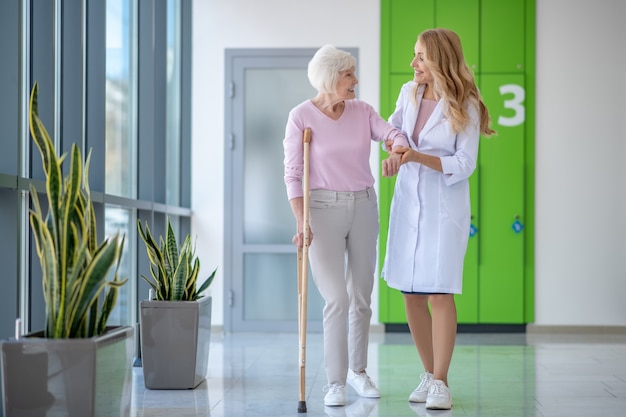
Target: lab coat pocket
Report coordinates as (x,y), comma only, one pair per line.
(456,203)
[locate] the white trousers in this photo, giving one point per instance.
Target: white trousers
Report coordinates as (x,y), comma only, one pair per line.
(343,260)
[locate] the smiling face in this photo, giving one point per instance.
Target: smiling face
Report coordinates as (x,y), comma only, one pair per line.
(346,83)
(422,74)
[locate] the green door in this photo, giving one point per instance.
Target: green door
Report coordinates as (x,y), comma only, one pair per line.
(461,16)
(503,32)
(501,188)
(406,19)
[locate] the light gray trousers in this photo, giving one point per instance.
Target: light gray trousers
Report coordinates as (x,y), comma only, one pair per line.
(343,261)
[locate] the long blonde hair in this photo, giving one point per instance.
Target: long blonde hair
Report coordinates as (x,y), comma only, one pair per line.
(454,81)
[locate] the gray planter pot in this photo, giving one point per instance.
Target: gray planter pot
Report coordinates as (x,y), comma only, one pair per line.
(68,377)
(175,337)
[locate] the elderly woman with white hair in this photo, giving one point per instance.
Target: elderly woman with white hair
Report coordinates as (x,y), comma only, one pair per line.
(343,211)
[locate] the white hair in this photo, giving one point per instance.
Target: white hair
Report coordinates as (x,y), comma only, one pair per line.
(325,66)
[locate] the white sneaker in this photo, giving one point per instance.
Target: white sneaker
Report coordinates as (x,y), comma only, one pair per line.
(362,384)
(439,397)
(335,396)
(420,393)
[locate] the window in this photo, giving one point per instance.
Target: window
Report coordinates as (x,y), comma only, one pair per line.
(173,99)
(122,220)
(85,60)
(120,99)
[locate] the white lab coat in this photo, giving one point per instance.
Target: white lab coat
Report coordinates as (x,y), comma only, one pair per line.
(430,211)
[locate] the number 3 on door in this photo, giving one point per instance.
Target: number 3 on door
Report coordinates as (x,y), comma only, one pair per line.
(514,103)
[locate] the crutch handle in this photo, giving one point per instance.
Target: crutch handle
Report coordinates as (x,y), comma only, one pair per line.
(306,137)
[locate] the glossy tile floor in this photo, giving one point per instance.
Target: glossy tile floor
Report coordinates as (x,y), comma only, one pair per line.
(492,375)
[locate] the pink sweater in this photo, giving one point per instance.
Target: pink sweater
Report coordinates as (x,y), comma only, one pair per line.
(339,151)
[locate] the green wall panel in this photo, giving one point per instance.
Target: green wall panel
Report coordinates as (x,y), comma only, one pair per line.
(409,18)
(461,16)
(502,36)
(501,187)
(396,81)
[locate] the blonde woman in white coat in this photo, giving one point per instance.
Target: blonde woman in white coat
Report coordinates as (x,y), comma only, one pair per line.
(442,113)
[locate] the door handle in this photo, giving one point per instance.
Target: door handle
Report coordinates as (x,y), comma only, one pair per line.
(473,229)
(517,225)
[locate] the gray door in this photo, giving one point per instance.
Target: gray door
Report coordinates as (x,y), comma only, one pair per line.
(262,85)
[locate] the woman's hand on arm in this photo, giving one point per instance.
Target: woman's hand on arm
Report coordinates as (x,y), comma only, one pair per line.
(411,155)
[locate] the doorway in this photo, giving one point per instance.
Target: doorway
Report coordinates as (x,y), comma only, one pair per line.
(261,87)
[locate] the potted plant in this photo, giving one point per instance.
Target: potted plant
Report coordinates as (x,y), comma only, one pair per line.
(77,365)
(175,322)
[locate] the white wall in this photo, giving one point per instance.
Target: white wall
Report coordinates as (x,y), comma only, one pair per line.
(580,237)
(580,230)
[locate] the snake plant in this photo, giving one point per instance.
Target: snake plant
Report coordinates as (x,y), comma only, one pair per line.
(77,294)
(174,272)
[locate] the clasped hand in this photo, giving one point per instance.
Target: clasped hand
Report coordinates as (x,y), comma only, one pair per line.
(397,157)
